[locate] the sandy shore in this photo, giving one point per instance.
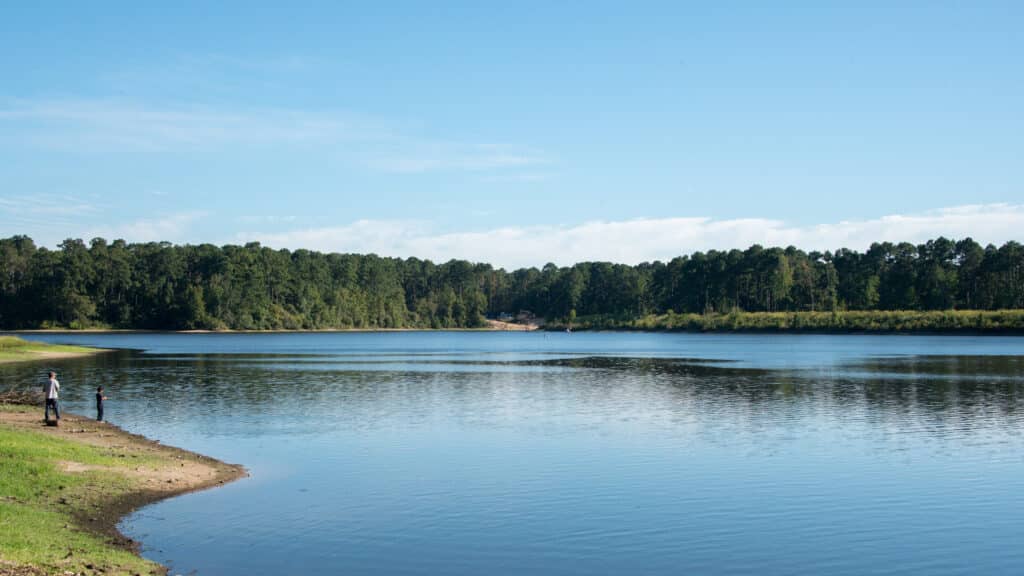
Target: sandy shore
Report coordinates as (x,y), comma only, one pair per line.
(510,326)
(163,471)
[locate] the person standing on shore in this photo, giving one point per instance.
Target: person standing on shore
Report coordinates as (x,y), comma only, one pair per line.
(99,403)
(52,391)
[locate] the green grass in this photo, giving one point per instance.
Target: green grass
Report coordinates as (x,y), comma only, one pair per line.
(42,508)
(38,537)
(13,349)
(952,321)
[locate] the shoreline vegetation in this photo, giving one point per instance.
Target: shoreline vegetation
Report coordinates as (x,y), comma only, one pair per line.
(64,489)
(837,322)
(488,326)
(14,349)
(834,322)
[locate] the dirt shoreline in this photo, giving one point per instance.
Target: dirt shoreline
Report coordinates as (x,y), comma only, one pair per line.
(177,471)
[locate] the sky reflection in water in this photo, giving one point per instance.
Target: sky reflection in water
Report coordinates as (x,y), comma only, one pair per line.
(473,453)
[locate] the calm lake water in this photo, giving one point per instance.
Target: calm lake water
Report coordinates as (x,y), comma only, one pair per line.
(530,453)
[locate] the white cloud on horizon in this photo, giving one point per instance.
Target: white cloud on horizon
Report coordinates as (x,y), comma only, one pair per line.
(644,239)
(170,228)
(49,222)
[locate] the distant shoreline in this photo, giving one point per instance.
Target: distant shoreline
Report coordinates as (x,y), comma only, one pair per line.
(937,322)
(493,326)
(227,331)
(812,331)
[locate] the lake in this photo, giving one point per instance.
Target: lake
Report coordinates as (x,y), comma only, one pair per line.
(466,453)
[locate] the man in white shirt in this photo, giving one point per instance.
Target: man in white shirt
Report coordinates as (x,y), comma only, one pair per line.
(51,389)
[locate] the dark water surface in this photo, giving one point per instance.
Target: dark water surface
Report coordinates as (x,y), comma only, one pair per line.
(529,453)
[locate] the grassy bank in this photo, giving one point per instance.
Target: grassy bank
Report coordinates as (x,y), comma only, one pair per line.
(14,349)
(946,321)
(63,490)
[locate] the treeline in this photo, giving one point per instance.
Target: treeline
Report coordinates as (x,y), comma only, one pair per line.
(164,286)
(944,321)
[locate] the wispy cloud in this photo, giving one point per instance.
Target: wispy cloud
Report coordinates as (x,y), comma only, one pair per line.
(45,205)
(647,239)
(265,219)
(127,125)
(114,125)
(517,177)
(460,157)
(46,218)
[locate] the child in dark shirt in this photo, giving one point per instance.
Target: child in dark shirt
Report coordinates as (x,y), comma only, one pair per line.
(99,403)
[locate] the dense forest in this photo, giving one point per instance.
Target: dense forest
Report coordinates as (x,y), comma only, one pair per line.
(164,286)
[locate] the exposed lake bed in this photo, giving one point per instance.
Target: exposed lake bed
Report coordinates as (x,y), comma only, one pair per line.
(425,453)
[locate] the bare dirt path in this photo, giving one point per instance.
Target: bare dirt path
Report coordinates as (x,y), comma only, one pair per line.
(195,471)
(510,326)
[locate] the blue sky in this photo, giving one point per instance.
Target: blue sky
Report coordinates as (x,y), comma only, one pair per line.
(516,133)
